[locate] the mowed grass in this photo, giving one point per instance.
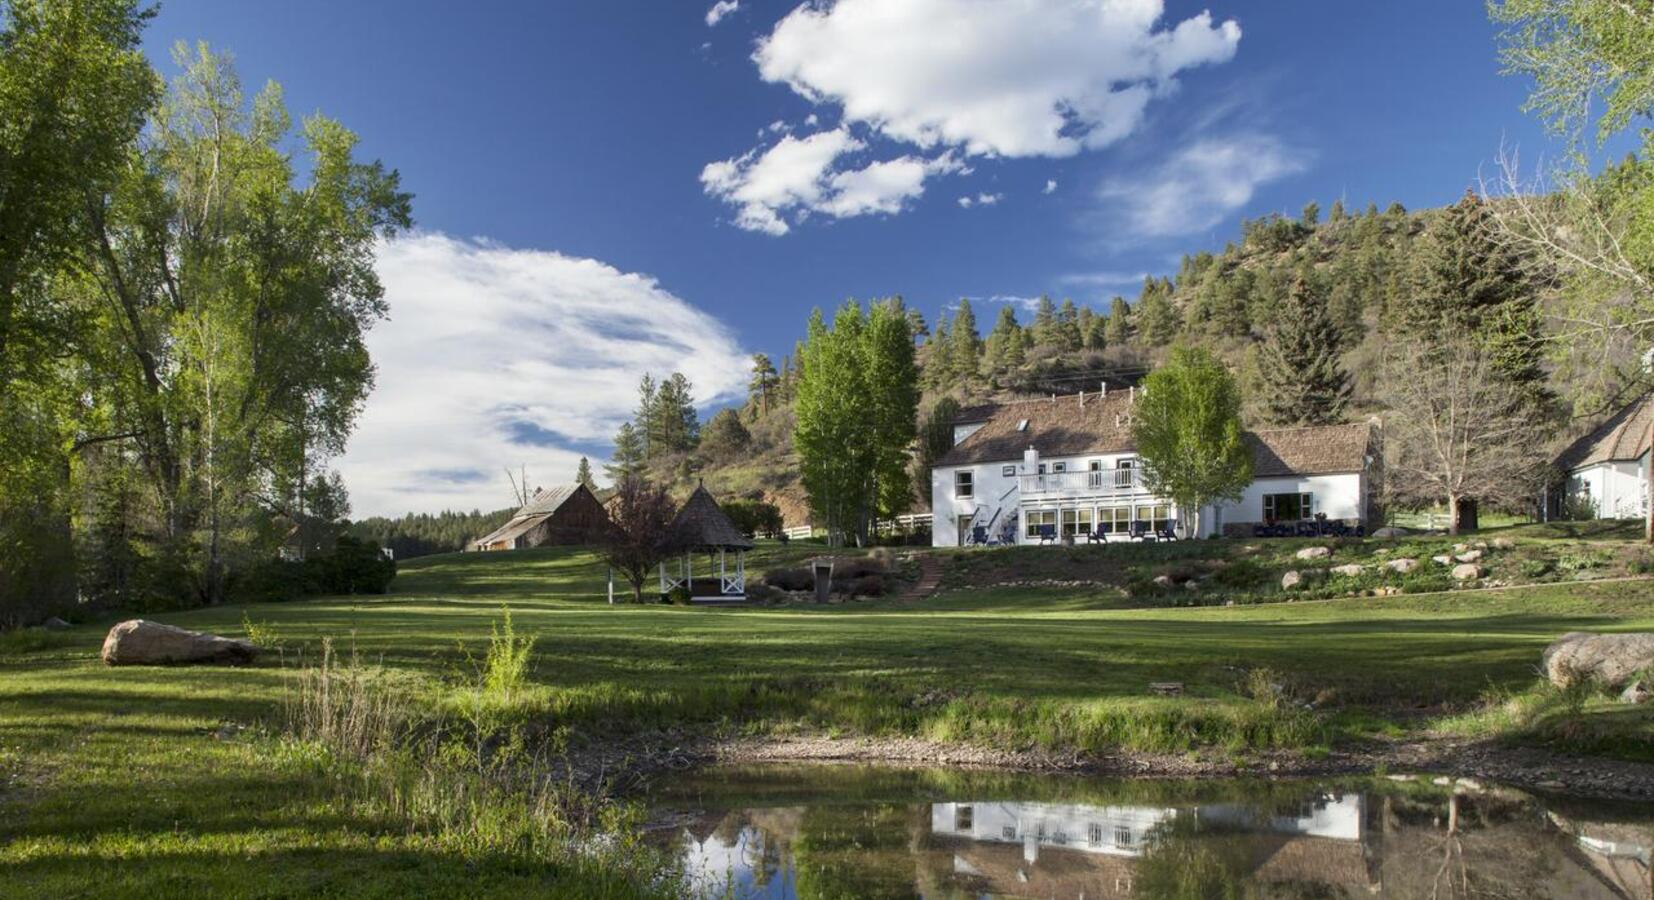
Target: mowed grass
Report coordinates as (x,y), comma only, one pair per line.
(124,781)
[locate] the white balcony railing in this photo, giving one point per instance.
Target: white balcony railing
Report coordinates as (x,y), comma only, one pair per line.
(1095,483)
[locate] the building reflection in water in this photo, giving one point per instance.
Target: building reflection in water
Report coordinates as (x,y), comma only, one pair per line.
(1325,844)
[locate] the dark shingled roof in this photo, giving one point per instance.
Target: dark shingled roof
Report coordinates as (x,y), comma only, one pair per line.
(1077,425)
(1622,438)
(701,523)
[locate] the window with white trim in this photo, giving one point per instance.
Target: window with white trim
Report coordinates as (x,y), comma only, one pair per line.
(964,483)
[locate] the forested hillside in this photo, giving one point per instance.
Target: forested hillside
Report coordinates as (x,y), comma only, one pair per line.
(422,534)
(1304,309)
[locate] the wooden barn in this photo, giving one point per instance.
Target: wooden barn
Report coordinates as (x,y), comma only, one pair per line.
(566,514)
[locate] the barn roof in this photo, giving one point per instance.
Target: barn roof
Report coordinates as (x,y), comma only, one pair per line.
(701,523)
(1080,424)
(1622,437)
(540,507)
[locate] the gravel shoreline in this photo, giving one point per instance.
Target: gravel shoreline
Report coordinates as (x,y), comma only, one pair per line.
(1529,769)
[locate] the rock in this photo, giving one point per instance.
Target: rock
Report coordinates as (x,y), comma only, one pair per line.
(1191,585)
(1611,659)
(1637,692)
(1314,553)
(1466,572)
(1443,560)
(1291,580)
(1469,556)
(1460,548)
(139,642)
(1391,531)
(1348,571)
(55,624)
(1502,543)
(1401,565)
(1164,581)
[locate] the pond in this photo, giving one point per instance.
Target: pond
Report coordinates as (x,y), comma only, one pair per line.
(811,831)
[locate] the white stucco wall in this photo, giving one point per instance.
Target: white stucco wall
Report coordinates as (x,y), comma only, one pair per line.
(1336,496)
(1617,488)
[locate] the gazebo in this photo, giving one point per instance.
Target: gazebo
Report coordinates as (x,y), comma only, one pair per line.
(701,527)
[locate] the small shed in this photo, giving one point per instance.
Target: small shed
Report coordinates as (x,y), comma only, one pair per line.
(702,527)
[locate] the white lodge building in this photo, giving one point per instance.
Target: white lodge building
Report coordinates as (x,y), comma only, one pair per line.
(1607,469)
(1036,471)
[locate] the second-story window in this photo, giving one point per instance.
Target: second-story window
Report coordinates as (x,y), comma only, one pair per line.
(1059,467)
(1008,471)
(964,484)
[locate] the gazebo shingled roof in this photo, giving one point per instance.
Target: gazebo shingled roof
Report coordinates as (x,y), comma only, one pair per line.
(701,524)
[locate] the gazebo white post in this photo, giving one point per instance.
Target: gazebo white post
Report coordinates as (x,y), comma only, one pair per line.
(723,578)
(611,586)
(741,570)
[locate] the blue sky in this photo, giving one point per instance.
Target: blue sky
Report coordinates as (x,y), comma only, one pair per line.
(600,191)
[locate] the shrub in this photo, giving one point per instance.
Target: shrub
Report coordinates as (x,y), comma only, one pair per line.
(754,518)
(354,567)
(868,586)
(763,593)
(505,669)
(1534,568)
(1242,574)
(790,579)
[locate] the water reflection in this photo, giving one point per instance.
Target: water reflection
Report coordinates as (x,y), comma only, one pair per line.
(870,833)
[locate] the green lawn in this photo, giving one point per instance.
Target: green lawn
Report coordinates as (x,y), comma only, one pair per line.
(116,781)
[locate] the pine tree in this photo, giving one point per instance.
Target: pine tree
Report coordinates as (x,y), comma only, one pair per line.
(1068,333)
(583,475)
(647,416)
(965,343)
(1312,214)
(1084,322)
(1003,341)
(1337,214)
(1045,323)
(1157,319)
(1304,382)
(939,355)
(763,382)
(1465,281)
(629,455)
(1118,329)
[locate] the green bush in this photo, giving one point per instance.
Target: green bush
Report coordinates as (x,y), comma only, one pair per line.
(754,518)
(354,567)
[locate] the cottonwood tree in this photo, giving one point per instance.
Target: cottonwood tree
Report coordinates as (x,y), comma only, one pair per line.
(639,535)
(74,92)
(1457,429)
(1187,428)
(231,304)
(1592,232)
(856,406)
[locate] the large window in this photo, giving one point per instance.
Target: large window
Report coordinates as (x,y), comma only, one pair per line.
(1038,517)
(964,484)
(1158,516)
(1073,519)
(1287,507)
(1114,520)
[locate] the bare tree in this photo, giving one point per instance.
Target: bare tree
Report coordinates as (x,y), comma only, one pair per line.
(640,531)
(1456,430)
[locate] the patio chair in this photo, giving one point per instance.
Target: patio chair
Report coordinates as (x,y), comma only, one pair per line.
(1091,537)
(1168,532)
(979,535)
(1047,533)
(1140,532)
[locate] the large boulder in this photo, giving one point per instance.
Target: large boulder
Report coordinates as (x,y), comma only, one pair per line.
(1314,553)
(1401,566)
(1466,572)
(139,642)
(1469,556)
(1350,570)
(1610,659)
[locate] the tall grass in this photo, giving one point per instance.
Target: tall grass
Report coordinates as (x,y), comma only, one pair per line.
(505,669)
(490,797)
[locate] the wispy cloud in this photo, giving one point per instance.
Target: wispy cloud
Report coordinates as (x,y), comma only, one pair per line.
(496,357)
(982,199)
(719,10)
(1050,186)
(1199,184)
(1102,279)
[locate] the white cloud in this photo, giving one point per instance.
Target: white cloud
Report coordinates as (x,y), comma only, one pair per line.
(1200,184)
(495,357)
(1026,78)
(721,9)
(983,199)
(1103,279)
(799,176)
(1050,186)
(811,120)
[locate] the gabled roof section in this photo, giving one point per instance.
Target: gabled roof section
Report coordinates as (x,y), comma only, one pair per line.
(701,523)
(1621,438)
(1063,426)
(1311,450)
(546,502)
(1098,424)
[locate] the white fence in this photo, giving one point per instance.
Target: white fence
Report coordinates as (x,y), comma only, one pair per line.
(903,522)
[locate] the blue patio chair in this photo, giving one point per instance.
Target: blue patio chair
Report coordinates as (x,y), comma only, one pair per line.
(1140,531)
(979,535)
(1091,537)
(1168,532)
(1047,533)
